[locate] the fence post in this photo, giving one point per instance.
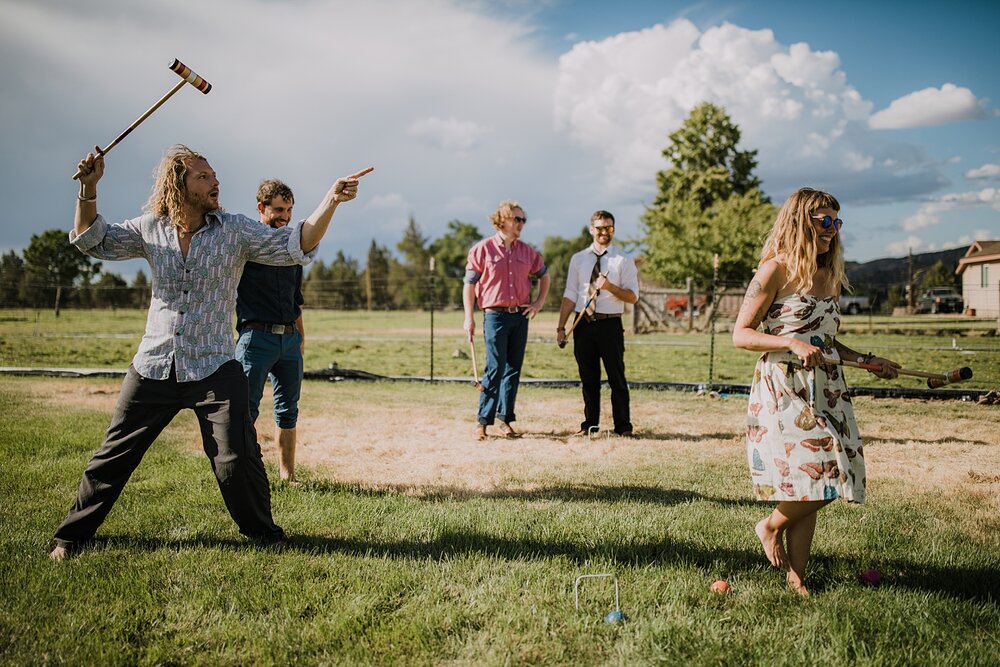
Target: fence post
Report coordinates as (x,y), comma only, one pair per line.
(431,283)
(711,321)
(690,288)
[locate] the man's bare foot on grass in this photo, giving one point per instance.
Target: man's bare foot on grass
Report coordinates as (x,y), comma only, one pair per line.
(480,432)
(59,553)
(507,430)
(770,539)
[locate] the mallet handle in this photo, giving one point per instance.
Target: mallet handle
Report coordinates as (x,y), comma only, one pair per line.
(187,76)
(874,367)
(579,316)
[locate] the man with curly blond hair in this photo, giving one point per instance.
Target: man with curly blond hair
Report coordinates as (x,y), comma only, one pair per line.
(196,252)
(498,277)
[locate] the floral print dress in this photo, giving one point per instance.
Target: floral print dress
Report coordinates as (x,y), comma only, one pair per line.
(802,440)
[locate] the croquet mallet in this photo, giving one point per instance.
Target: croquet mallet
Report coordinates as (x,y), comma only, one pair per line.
(186,75)
(475,370)
(579,316)
(934,380)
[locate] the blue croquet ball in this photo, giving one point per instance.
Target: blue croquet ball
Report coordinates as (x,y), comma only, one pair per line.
(615,617)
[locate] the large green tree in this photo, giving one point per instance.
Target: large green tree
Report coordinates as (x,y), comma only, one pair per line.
(451,253)
(52,265)
(709,202)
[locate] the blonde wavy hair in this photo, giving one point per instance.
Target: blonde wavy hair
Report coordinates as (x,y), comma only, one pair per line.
(792,241)
(505,209)
(169,192)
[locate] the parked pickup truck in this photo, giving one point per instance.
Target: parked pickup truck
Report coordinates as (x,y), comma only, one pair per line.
(939,300)
(852,305)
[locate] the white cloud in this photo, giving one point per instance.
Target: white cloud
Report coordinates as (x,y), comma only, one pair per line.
(622,97)
(929,213)
(444,98)
(930,106)
(987,172)
(909,244)
(448,133)
(917,245)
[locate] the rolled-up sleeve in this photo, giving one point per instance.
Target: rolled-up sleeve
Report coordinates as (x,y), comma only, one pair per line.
(474,265)
(276,247)
(111,242)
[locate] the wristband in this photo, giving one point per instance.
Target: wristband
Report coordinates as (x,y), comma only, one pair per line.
(87,199)
(866,358)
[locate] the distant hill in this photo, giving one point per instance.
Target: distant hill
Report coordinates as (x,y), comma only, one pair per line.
(878,275)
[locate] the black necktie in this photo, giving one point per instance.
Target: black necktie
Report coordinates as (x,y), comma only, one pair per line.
(592,290)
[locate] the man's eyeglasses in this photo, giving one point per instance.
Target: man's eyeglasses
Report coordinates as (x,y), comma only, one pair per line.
(827,221)
(520,220)
(604,228)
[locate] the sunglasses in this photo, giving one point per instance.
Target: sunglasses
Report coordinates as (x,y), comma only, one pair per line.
(519,219)
(604,228)
(827,221)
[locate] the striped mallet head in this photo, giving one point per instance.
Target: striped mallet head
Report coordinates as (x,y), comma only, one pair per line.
(957,375)
(186,73)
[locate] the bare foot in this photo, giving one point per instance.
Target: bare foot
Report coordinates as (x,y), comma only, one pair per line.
(59,553)
(480,432)
(770,539)
(796,584)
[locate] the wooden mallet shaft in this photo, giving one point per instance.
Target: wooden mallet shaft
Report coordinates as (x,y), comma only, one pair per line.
(934,380)
(475,370)
(579,316)
(187,76)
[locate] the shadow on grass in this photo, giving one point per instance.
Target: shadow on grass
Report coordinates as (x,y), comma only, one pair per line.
(631,493)
(604,436)
(967,583)
(938,441)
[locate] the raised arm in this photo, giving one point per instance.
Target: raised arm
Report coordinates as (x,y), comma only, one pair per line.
(759,297)
(343,189)
(91,170)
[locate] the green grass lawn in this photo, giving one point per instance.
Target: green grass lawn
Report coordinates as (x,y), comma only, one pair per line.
(398,343)
(381,573)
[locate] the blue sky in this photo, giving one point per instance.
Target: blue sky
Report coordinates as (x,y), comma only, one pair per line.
(564,106)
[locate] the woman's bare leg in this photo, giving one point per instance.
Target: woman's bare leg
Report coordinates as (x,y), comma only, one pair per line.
(771,530)
(799,537)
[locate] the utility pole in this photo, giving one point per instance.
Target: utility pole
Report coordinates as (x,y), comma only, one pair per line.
(910,296)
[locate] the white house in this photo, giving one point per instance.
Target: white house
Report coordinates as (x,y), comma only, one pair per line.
(980,271)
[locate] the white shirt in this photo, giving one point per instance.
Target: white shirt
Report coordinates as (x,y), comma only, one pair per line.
(620,270)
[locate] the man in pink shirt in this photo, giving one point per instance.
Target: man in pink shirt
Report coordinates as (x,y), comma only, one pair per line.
(498,276)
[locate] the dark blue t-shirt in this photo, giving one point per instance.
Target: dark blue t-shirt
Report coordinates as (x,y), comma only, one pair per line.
(271,294)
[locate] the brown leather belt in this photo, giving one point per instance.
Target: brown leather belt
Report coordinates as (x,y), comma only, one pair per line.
(505,309)
(279,329)
(601,316)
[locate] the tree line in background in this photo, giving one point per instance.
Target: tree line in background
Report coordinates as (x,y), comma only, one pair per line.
(708,203)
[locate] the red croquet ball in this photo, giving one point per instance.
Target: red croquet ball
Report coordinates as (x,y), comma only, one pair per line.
(871,577)
(720,586)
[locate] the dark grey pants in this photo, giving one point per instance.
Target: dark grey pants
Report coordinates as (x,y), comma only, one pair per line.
(144,409)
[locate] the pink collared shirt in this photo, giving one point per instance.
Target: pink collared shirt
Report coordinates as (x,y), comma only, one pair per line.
(503,277)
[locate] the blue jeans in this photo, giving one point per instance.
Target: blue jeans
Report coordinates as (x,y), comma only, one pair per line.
(276,356)
(506,336)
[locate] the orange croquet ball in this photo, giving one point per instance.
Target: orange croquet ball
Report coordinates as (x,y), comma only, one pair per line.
(720,586)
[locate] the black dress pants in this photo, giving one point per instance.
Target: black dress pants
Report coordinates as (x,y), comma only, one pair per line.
(144,409)
(596,342)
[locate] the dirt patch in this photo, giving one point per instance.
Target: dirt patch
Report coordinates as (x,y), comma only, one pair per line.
(416,439)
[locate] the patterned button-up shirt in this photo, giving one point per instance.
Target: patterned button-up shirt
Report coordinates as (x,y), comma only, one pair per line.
(190,320)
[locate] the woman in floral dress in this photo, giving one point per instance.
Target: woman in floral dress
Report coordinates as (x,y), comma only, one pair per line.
(803,445)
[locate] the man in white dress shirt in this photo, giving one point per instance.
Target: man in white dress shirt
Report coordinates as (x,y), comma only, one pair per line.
(600,336)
